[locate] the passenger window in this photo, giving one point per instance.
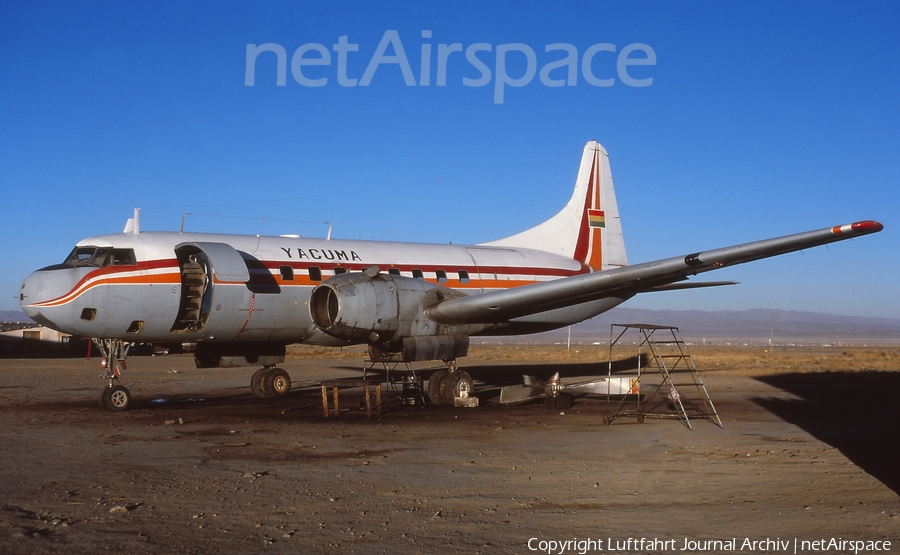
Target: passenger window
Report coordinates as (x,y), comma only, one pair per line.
(394,271)
(315,273)
(287,273)
(417,273)
(441,276)
(338,270)
(463,276)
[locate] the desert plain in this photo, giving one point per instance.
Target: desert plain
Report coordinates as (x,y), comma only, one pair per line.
(807,453)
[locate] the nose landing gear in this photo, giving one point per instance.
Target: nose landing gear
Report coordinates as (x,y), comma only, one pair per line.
(115,396)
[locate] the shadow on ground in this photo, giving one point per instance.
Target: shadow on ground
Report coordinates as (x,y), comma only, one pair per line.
(855,412)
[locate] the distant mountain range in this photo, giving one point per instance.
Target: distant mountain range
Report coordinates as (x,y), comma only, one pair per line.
(727,326)
(745,326)
(14,316)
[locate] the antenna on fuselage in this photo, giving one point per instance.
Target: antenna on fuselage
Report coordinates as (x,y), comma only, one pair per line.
(133,225)
(328,237)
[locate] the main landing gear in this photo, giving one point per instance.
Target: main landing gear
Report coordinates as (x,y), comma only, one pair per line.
(451,386)
(115,396)
(270,381)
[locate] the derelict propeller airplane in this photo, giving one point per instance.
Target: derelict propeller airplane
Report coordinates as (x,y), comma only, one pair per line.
(243,299)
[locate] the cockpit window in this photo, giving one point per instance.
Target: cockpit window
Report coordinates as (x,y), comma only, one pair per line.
(121,257)
(99,256)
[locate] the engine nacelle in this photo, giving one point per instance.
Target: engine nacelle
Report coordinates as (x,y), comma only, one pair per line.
(379,309)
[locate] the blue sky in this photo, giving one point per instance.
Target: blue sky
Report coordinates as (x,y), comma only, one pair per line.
(762,119)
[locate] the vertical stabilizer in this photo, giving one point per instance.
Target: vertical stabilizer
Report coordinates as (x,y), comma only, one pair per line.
(588,228)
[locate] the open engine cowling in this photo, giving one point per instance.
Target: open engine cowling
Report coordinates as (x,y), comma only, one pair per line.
(380,309)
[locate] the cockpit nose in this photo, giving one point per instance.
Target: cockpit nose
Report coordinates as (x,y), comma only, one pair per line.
(39,287)
(30,294)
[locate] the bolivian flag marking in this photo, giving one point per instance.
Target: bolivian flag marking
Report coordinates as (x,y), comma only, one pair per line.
(596,218)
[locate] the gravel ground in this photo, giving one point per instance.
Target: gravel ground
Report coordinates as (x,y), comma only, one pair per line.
(199,465)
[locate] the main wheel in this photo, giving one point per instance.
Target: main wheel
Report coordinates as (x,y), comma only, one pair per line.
(455,385)
(115,398)
(256,383)
(276,382)
(435,384)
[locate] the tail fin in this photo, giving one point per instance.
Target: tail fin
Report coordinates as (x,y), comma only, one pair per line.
(588,227)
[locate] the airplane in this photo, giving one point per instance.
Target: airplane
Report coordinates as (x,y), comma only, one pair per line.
(242,299)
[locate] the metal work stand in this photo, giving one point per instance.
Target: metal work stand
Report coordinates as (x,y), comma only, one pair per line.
(404,383)
(680,392)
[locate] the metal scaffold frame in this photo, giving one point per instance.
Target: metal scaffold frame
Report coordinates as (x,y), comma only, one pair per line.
(671,397)
(405,384)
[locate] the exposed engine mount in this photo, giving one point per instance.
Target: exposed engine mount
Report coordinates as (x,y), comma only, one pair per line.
(412,349)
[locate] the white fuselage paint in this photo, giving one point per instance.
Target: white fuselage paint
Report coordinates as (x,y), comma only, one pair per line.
(273,304)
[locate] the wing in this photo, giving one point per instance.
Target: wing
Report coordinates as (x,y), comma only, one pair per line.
(502,306)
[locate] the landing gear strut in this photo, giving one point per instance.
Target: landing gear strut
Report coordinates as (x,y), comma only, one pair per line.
(270,381)
(451,386)
(115,396)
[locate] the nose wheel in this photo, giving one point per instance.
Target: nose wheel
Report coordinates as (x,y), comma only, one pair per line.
(115,396)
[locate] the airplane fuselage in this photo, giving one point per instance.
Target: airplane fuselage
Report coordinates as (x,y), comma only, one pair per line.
(134,286)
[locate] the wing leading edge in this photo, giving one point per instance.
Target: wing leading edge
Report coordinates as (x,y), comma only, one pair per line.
(502,306)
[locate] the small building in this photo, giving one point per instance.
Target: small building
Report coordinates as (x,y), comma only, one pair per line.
(19,339)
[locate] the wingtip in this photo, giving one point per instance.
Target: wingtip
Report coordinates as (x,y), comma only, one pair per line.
(858,228)
(868,225)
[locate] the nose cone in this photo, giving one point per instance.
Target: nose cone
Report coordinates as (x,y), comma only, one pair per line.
(46,296)
(31,294)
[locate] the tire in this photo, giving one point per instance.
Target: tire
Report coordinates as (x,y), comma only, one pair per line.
(435,384)
(276,382)
(455,384)
(103,400)
(256,383)
(115,398)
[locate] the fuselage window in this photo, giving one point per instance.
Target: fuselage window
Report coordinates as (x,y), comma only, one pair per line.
(417,273)
(287,273)
(441,276)
(463,276)
(315,273)
(394,271)
(338,270)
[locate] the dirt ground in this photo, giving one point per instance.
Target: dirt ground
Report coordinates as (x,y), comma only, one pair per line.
(198,465)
